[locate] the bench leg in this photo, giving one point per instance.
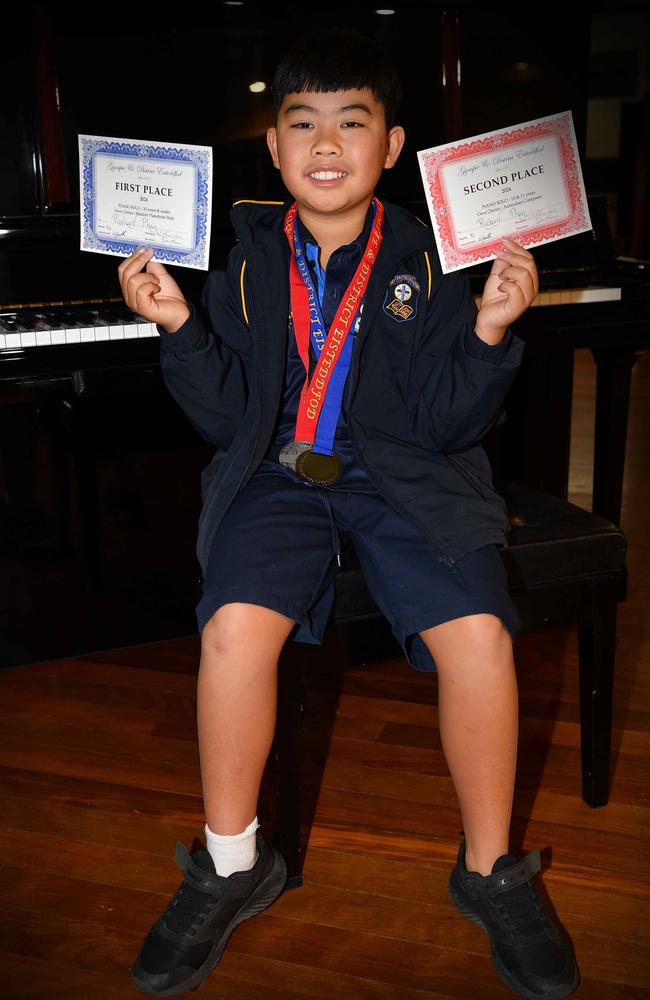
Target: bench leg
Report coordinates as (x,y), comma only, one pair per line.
(596,640)
(288,759)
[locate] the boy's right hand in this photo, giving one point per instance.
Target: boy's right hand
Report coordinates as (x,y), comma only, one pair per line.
(153,293)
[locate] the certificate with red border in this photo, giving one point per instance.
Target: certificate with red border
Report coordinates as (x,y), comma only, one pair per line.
(523,182)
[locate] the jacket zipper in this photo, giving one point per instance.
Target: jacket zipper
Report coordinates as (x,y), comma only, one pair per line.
(446,558)
(258,388)
(473,481)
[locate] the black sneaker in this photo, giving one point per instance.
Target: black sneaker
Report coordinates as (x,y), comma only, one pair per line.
(531,953)
(188,940)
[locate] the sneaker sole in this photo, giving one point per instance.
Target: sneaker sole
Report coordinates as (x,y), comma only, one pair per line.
(265,894)
(501,971)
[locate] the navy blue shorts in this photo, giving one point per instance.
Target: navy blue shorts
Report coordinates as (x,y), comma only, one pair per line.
(277,547)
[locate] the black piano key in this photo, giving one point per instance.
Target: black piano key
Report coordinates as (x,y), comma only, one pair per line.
(72,319)
(26,323)
(53,321)
(84,317)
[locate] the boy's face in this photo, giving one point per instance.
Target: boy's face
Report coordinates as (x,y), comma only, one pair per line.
(332,148)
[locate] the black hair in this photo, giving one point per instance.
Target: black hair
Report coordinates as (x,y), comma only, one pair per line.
(331,59)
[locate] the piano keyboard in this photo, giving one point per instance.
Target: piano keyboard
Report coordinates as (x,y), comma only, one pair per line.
(573,296)
(19,330)
(576,296)
(57,328)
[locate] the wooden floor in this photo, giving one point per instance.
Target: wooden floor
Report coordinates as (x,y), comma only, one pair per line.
(100,778)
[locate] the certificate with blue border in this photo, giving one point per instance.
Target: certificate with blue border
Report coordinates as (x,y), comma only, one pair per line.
(136,193)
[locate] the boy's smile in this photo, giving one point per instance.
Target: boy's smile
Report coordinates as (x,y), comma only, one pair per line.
(331,149)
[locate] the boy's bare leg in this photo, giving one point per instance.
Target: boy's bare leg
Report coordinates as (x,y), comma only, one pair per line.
(236,710)
(478,719)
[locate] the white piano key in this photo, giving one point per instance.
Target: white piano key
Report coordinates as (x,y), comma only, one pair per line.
(43,337)
(13,340)
(28,339)
(130,331)
(73,335)
(116,332)
(101,332)
(596,295)
(58,337)
(87,334)
(2,341)
(146,329)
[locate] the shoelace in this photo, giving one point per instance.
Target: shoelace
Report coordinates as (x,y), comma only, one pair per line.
(188,910)
(521,911)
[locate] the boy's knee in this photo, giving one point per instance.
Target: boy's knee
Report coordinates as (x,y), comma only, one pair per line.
(481,632)
(486,633)
(488,628)
(236,626)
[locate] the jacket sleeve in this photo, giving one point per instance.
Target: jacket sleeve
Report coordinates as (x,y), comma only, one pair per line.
(458,382)
(204,363)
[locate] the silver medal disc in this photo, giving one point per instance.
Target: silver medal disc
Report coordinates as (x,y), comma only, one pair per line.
(290,451)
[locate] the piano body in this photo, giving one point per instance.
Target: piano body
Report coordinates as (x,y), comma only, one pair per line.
(99,469)
(593,300)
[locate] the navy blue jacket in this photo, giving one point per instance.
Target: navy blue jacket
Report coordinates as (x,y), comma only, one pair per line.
(424,387)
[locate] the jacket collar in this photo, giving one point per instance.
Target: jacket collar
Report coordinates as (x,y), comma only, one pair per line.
(356,245)
(260,222)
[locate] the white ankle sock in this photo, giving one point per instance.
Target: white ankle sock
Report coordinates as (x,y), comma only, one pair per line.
(236,853)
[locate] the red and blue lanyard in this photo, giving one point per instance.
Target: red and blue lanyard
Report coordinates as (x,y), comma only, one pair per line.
(321,397)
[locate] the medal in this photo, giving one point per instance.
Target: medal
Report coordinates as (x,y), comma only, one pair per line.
(322,470)
(311,455)
(291,451)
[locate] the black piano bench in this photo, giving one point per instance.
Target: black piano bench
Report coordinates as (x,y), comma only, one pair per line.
(564,565)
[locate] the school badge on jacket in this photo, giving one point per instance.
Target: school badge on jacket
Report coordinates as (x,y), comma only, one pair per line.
(401,301)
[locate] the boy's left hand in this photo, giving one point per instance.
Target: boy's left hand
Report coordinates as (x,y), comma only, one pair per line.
(511,286)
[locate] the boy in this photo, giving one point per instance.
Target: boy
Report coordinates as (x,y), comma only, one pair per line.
(345,385)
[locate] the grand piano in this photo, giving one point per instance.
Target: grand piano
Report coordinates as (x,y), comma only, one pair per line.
(97,462)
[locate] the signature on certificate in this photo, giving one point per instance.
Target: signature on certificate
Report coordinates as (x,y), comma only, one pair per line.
(124,219)
(120,223)
(170,237)
(521,215)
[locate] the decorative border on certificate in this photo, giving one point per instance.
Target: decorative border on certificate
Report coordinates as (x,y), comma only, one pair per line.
(564,214)
(139,193)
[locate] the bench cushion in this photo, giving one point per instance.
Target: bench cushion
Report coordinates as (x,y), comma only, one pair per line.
(552,540)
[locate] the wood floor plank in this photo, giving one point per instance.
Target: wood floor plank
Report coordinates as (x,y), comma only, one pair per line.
(340,986)
(47,978)
(102,767)
(565,807)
